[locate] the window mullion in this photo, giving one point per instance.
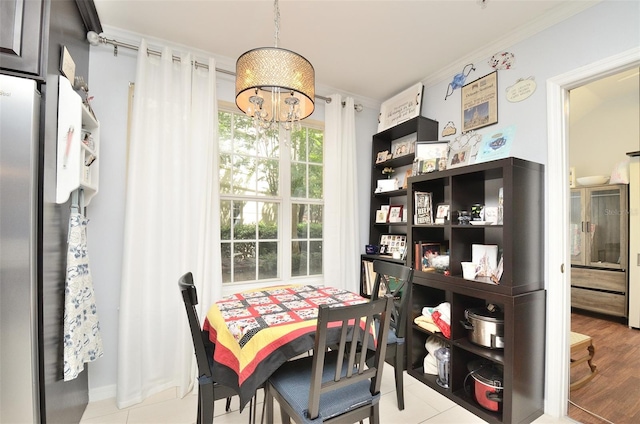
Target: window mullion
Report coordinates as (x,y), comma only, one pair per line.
(285,215)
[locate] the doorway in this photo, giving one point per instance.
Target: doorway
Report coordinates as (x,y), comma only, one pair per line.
(557,257)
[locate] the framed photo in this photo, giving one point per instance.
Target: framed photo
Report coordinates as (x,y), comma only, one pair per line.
(424,254)
(407,174)
(432,155)
(459,157)
(382,156)
(401,107)
(395,213)
(403,145)
(480,102)
(431,149)
(442,213)
(381,216)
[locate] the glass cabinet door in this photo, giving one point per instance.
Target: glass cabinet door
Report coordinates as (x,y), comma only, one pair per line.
(576,228)
(598,226)
(604,227)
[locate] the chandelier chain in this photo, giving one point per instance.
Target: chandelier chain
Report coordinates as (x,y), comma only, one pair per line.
(276,21)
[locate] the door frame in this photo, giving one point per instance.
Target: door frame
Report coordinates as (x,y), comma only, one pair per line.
(558,261)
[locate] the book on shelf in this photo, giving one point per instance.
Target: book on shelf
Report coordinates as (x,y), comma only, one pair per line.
(369,277)
(423,213)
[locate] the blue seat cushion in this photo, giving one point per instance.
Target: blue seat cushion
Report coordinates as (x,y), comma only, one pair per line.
(392,337)
(292,381)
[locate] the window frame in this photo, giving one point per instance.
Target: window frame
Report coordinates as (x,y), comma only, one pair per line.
(285,200)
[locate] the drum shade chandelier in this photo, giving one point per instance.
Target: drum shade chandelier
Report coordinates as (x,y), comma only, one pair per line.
(275,85)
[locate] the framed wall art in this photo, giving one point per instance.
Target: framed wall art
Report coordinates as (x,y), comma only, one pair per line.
(480,102)
(392,243)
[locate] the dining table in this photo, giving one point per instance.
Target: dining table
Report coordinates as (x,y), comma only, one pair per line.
(250,334)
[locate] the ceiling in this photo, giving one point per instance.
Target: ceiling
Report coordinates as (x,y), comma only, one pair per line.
(618,87)
(370,49)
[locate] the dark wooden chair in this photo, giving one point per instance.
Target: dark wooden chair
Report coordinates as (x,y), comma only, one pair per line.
(395,279)
(208,390)
(335,385)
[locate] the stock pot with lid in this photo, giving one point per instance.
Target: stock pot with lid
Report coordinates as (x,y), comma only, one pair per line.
(486,326)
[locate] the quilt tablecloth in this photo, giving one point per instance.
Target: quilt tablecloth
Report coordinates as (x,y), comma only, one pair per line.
(253,333)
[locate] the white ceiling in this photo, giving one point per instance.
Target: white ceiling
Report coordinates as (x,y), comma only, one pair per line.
(622,87)
(371,49)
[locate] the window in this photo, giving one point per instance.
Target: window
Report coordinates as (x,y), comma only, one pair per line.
(271,202)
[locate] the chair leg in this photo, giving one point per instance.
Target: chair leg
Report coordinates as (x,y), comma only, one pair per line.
(375,419)
(205,404)
(227,407)
(268,400)
(399,374)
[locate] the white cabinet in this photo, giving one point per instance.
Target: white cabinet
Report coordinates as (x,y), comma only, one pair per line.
(78,163)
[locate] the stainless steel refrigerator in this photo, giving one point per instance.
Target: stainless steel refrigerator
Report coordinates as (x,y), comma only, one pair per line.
(19,369)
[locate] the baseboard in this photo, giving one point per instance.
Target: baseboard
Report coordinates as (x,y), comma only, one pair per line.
(102,393)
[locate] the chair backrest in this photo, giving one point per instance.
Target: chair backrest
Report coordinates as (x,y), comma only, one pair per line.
(349,367)
(394,279)
(190,298)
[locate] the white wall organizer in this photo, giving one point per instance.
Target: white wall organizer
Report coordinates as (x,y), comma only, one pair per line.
(78,145)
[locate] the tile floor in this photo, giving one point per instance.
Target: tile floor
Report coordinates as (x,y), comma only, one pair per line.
(422,405)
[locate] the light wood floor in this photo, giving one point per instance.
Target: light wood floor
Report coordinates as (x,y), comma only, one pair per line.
(614,393)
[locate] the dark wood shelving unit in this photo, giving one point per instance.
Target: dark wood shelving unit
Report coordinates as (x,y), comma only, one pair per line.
(520,293)
(425,129)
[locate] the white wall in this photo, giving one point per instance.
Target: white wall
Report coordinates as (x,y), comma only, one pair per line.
(609,130)
(605,29)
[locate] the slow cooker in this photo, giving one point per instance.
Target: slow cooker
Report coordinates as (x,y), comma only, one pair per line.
(486,326)
(487,385)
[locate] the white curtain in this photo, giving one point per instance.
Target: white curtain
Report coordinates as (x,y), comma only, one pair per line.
(341,235)
(172,223)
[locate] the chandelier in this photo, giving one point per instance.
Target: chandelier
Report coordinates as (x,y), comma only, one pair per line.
(274,85)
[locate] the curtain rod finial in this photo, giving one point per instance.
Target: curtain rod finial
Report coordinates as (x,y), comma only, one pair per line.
(93,38)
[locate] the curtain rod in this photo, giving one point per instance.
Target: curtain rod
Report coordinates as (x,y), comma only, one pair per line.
(95,39)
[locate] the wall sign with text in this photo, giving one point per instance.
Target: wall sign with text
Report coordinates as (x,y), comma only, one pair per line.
(400,107)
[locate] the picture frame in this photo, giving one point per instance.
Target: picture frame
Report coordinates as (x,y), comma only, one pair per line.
(424,252)
(480,102)
(392,243)
(432,155)
(382,156)
(408,173)
(401,107)
(381,216)
(423,209)
(496,145)
(403,146)
(459,157)
(442,213)
(432,149)
(395,213)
